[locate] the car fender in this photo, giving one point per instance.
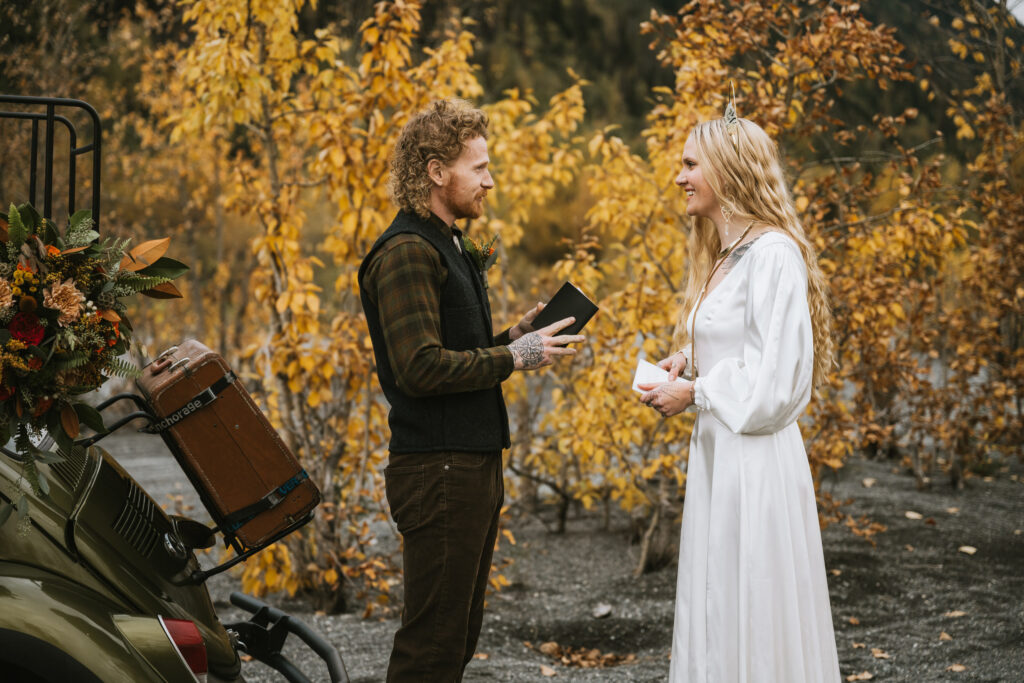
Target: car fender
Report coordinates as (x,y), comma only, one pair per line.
(51,626)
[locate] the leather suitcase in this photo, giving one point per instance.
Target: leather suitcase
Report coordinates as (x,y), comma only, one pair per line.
(250,482)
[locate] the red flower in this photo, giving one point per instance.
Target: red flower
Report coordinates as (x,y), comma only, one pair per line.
(25,327)
(42,406)
(6,393)
(35,362)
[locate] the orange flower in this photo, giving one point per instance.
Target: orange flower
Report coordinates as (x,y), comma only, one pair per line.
(52,250)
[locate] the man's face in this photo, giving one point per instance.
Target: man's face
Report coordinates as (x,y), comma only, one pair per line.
(467,181)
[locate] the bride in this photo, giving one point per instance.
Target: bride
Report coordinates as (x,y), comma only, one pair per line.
(752,599)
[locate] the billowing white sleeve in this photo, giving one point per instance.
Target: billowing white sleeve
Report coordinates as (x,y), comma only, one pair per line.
(769,387)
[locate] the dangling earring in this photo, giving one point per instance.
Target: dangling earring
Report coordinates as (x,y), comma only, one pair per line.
(727,212)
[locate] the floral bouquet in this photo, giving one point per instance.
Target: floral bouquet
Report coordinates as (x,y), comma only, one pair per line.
(63,326)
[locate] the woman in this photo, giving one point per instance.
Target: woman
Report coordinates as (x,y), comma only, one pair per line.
(752,598)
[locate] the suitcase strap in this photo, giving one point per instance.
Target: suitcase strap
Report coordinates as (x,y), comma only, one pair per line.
(239,517)
(200,400)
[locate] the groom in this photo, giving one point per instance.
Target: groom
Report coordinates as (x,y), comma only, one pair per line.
(441,367)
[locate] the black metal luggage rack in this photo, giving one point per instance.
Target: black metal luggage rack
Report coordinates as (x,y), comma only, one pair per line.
(225,527)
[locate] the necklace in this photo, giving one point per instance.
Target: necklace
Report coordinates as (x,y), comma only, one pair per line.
(726,250)
(704,292)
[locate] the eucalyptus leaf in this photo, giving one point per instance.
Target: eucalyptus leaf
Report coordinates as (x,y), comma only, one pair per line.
(44,486)
(22,506)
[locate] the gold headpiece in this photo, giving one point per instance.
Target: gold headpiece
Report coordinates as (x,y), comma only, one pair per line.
(732,122)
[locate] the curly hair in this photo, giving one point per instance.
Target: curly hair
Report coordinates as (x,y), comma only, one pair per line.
(439,132)
(753,187)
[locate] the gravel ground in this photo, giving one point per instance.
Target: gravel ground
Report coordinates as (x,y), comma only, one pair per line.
(891,604)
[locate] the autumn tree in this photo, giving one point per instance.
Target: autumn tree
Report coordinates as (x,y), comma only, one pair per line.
(871,215)
(300,122)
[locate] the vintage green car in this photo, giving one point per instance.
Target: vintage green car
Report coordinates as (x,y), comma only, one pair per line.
(99,584)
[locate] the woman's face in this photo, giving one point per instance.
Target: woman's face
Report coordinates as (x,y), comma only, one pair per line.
(700,199)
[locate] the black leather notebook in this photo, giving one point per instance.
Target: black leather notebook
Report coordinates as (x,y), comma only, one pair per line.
(567,301)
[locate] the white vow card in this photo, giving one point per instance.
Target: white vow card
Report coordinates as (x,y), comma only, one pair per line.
(648,373)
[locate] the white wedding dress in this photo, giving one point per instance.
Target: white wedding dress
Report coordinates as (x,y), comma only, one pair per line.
(752,600)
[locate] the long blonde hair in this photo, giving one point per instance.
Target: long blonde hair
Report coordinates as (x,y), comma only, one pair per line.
(747,179)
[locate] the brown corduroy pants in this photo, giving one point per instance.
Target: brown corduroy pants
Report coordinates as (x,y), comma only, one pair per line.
(446,506)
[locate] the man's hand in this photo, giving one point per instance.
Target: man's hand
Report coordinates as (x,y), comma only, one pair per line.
(537,349)
(675,364)
(525,325)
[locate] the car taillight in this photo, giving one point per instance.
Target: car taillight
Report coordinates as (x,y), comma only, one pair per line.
(186,637)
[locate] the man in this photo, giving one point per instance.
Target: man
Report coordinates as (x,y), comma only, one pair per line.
(441,368)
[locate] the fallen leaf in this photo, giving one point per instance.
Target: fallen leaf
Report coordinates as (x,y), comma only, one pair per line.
(956,667)
(868,482)
(989,478)
(835,572)
(968,549)
(910,514)
(1018,532)
(955,614)
(945,636)
(481,655)
(879,653)
(859,646)
(930,521)
(854,620)
(909,548)
(862,676)
(547,671)
(602,610)
(952,511)
(550,648)
(245,658)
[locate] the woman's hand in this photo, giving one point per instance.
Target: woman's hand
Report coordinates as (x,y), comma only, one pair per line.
(668,398)
(525,325)
(675,364)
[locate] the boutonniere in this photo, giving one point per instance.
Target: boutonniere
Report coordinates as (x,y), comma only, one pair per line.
(483,255)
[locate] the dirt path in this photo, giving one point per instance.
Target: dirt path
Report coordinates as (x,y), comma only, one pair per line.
(891,600)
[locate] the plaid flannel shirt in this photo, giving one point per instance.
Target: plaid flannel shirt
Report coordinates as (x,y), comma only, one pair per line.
(404,281)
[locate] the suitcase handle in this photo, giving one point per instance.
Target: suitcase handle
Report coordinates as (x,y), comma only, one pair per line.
(164,363)
(163,356)
(179,363)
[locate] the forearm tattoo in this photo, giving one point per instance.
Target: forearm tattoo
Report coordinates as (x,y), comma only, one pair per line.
(528,351)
